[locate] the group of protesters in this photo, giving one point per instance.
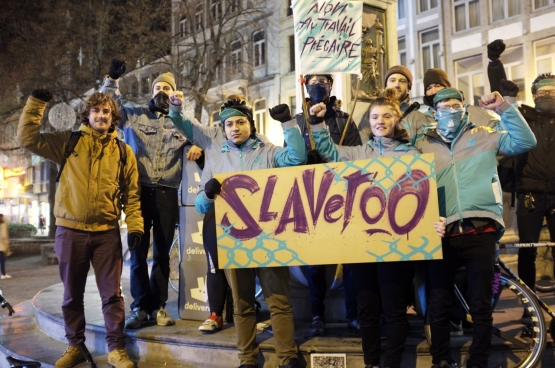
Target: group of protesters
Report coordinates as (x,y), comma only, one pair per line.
(101,176)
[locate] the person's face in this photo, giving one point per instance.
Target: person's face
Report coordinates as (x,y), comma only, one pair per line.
(433,88)
(161,86)
(237,129)
(100,118)
(319,79)
(400,83)
(383,121)
(450,104)
(545,91)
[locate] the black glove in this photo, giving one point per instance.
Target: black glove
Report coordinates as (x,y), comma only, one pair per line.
(42,94)
(495,49)
(117,68)
(212,187)
(508,88)
(133,240)
(281,113)
(313,157)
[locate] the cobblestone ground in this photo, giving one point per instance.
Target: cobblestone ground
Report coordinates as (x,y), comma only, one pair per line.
(29,276)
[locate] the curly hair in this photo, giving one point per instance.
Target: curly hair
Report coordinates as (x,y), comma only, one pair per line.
(239,102)
(539,78)
(99,99)
(388,97)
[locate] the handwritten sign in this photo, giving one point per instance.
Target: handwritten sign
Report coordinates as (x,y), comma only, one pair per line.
(376,210)
(328,35)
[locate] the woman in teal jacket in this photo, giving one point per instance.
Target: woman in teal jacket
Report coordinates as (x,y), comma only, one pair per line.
(237,148)
(380,286)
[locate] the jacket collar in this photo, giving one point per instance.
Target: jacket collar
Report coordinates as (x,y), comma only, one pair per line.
(87,130)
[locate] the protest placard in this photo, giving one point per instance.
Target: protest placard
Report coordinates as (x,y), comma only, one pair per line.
(375,210)
(328,35)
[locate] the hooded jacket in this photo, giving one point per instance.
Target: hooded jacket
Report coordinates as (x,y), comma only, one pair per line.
(156,143)
(376,147)
(224,156)
(88,195)
(466,169)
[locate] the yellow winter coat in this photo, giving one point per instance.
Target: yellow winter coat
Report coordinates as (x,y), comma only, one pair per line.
(88,194)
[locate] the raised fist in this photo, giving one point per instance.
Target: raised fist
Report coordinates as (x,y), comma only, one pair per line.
(42,94)
(495,49)
(508,88)
(117,68)
(281,113)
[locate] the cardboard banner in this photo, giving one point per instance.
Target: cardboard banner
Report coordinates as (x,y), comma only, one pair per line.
(328,36)
(376,210)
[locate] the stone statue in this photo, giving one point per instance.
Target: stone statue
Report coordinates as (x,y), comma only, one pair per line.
(370,74)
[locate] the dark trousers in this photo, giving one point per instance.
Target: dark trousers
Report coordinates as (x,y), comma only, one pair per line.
(317,286)
(159,207)
(2,263)
(530,223)
(76,250)
(216,281)
(383,287)
(477,253)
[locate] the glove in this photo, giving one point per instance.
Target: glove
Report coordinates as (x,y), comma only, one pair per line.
(133,240)
(508,88)
(42,94)
(117,68)
(495,49)
(212,187)
(313,157)
(313,119)
(281,113)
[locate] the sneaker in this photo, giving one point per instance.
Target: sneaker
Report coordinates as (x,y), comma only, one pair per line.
(136,319)
(456,328)
(293,363)
(446,364)
(3,277)
(118,358)
(162,317)
(70,358)
(353,326)
(317,326)
(212,324)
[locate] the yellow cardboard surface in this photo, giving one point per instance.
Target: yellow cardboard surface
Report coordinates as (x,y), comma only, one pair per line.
(378,210)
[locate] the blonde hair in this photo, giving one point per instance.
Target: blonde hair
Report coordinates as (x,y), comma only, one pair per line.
(388,97)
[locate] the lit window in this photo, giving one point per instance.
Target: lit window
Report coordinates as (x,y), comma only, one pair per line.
(469,75)
(260,116)
(503,9)
(467,14)
(429,46)
(545,55)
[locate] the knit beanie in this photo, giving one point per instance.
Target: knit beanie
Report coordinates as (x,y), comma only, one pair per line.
(436,76)
(166,77)
(399,69)
(448,93)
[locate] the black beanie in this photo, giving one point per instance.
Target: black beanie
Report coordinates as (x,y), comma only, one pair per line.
(436,76)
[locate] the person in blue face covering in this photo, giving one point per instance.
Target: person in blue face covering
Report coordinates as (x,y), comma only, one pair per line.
(469,196)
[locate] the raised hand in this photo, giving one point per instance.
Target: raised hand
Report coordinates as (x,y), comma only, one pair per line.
(495,49)
(117,68)
(42,94)
(281,113)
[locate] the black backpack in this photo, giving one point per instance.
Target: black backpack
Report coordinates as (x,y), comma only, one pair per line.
(70,149)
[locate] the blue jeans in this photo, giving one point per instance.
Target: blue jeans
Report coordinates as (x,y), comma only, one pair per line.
(159,206)
(477,253)
(317,286)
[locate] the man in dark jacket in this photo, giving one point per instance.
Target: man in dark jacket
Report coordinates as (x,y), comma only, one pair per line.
(535,169)
(319,89)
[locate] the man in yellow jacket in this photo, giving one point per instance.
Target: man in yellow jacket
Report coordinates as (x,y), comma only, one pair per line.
(97,182)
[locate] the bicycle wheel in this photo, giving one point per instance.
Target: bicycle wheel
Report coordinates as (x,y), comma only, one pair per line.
(545,278)
(175,263)
(525,342)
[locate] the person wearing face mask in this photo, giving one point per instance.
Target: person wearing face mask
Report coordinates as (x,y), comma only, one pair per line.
(435,80)
(238,148)
(158,147)
(380,286)
(319,89)
(413,121)
(470,198)
(88,205)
